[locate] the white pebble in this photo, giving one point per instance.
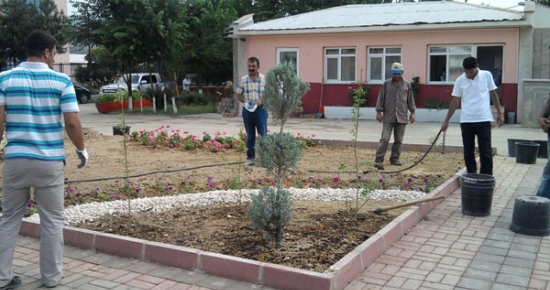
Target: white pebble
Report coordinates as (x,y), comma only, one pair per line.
(90,211)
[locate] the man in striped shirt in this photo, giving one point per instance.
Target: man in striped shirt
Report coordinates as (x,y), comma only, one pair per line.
(395,99)
(254,113)
(34,102)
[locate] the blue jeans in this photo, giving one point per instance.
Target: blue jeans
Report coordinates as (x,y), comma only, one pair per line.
(483,132)
(253,121)
(544,186)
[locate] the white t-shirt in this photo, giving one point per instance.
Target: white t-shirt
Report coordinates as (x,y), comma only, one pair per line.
(476,97)
(186,83)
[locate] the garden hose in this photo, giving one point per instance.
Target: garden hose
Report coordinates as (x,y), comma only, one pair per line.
(421,158)
(149,173)
(232,163)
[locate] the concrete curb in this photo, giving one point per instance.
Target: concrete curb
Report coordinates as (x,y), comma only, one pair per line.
(281,277)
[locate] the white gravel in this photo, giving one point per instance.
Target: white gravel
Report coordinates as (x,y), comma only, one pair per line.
(88,212)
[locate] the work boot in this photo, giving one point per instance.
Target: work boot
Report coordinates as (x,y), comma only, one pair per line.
(396,163)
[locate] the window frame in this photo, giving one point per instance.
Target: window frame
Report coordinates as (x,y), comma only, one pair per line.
(383,56)
(288,49)
(473,52)
(339,57)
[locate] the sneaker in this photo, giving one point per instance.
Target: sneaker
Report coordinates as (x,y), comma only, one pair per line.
(14,283)
(379,165)
(249,162)
(396,163)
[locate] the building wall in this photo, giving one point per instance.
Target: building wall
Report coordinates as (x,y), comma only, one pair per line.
(66,62)
(414,45)
(414,49)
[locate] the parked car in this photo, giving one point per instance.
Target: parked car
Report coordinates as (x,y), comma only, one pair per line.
(83,95)
(141,82)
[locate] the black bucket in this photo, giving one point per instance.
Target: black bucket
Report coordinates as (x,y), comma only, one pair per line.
(477,193)
(531,216)
(117,130)
(512,146)
(527,152)
(543,148)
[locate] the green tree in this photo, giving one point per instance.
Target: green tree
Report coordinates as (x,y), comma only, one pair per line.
(141,31)
(15,22)
(54,21)
(82,31)
(207,51)
(270,9)
(279,152)
(18,18)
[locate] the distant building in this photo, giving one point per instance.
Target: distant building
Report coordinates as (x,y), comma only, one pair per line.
(68,61)
(333,49)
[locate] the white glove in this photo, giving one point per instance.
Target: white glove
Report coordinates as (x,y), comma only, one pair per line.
(83,156)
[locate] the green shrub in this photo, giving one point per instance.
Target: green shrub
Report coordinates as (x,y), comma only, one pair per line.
(415,85)
(194,98)
(106,98)
(279,152)
(150,93)
(270,212)
(435,104)
(362,92)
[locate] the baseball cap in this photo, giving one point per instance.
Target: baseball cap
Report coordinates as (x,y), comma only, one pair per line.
(396,68)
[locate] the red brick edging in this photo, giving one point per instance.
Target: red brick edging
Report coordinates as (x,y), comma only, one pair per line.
(281,277)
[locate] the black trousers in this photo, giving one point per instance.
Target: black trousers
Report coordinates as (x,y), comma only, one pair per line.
(483,132)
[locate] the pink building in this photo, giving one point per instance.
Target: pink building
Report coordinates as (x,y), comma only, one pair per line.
(334,49)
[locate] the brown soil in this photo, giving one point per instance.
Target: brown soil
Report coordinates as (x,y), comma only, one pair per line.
(319,234)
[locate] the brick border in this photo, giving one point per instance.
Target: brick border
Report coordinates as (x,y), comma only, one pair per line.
(281,277)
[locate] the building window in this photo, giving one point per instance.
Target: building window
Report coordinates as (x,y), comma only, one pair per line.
(445,62)
(379,62)
(339,65)
(288,55)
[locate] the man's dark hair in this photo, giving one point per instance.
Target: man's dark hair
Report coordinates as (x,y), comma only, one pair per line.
(469,63)
(254,59)
(38,41)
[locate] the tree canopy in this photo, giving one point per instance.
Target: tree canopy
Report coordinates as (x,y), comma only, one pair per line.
(18,18)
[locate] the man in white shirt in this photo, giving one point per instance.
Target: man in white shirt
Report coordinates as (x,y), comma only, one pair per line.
(474,90)
(186,83)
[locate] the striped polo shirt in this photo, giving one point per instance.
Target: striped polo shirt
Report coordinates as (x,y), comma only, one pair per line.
(35,98)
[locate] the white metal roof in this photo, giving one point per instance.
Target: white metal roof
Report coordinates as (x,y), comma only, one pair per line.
(391,14)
